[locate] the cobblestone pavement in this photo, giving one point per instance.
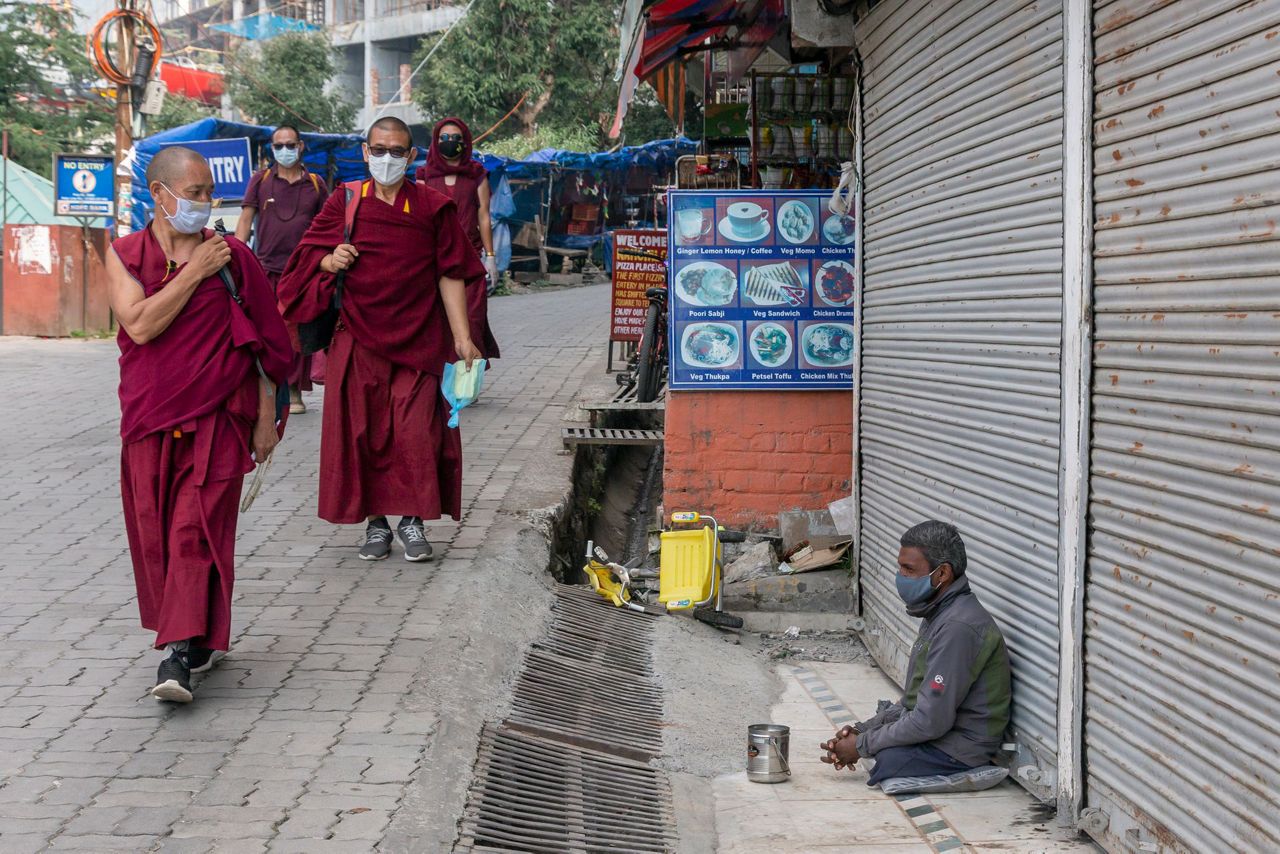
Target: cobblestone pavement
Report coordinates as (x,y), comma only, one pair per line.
(312,733)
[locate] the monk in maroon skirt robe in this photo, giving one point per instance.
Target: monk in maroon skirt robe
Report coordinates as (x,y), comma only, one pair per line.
(189,399)
(385,445)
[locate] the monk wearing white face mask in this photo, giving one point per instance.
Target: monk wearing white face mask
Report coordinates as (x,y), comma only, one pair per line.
(386,447)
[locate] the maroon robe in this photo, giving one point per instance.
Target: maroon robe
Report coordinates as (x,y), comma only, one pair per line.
(385,445)
(188,401)
(469,175)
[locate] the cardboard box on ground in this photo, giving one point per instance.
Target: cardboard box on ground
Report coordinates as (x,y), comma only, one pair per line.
(811,539)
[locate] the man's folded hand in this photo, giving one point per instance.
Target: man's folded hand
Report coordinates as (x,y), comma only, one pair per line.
(841,751)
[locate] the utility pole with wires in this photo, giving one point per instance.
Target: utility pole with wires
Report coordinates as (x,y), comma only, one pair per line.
(124,125)
(128,66)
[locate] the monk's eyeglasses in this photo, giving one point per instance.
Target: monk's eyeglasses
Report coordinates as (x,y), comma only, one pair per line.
(382,150)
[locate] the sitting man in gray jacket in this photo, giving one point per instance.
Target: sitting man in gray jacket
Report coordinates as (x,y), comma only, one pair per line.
(953,716)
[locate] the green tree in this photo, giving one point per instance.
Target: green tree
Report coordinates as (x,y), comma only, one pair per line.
(45,100)
(556,54)
(646,118)
(284,81)
(568,137)
(178,110)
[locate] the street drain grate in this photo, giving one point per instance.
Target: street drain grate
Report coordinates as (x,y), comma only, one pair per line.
(607,636)
(589,705)
(535,794)
(574,436)
(567,771)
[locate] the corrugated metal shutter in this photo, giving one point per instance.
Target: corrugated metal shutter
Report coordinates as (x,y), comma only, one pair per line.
(1182,635)
(960,410)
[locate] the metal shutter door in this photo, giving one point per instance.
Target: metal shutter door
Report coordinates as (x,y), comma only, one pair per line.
(1182,635)
(960,375)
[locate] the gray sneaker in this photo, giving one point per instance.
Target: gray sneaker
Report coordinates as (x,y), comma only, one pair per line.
(202,660)
(414,539)
(377,541)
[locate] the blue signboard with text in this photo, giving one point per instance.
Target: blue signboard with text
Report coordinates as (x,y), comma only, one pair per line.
(83,185)
(231,164)
(762,292)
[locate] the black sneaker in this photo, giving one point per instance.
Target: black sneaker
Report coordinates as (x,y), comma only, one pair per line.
(377,541)
(173,680)
(201,660)
(414,538)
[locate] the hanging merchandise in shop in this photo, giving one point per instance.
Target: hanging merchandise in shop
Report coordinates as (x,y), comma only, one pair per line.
(762,291)
(960,410)
(800,130)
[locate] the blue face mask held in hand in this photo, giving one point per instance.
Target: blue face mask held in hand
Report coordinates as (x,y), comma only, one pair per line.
(461,387)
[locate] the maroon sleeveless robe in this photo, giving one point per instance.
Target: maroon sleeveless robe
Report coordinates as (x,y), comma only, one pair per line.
(188,401)
(385,445)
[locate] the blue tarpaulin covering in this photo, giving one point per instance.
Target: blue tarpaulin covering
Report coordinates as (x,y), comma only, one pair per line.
(612,168)
(338,157)
(658,156)
(265,26)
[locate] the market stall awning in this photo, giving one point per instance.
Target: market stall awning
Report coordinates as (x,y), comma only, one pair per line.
(671,29)
(674,26)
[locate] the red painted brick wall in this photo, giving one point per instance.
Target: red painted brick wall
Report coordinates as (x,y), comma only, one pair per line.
(746,456)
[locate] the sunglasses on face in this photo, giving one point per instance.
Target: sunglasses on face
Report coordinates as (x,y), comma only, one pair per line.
(381,150)
(451,137)
(279,146)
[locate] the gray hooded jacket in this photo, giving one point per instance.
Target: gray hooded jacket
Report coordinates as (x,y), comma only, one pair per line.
(958,685)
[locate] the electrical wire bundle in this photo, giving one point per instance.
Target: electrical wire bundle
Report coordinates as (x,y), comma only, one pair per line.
(103,34)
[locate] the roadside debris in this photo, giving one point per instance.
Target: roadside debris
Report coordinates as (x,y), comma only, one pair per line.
(758,561)
(813,646)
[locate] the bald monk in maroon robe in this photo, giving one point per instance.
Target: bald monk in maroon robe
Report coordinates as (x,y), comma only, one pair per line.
(385,445)
(198,378)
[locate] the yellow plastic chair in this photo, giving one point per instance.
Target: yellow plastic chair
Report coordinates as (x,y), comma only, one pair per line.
(690,564)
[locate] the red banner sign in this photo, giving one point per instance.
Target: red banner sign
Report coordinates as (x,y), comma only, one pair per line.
(634,272)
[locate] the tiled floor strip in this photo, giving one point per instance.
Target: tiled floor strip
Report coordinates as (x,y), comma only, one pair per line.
(928,822)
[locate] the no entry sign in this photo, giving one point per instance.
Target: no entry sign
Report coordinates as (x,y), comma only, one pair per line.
(83,185)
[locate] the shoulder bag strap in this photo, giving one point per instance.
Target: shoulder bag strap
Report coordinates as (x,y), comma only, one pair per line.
(351,199)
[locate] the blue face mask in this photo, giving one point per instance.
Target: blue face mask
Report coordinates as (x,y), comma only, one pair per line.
(915,591)
(286,157)
(190,216)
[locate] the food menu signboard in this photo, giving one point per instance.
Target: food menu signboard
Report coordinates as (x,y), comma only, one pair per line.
(638,256)
(761,291)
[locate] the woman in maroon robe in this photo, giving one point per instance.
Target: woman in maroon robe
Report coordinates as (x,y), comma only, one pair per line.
(197,397)
(451,170)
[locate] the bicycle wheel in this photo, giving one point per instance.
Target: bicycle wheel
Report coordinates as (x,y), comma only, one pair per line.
(649,366)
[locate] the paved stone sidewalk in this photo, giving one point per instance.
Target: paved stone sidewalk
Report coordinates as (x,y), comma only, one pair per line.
(313,732)
(823,811)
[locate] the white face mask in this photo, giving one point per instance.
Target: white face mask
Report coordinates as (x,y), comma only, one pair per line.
(190,217)
(387,169)
(286,157)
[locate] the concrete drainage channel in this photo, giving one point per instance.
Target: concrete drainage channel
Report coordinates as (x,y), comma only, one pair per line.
(572,766)
(568,769)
